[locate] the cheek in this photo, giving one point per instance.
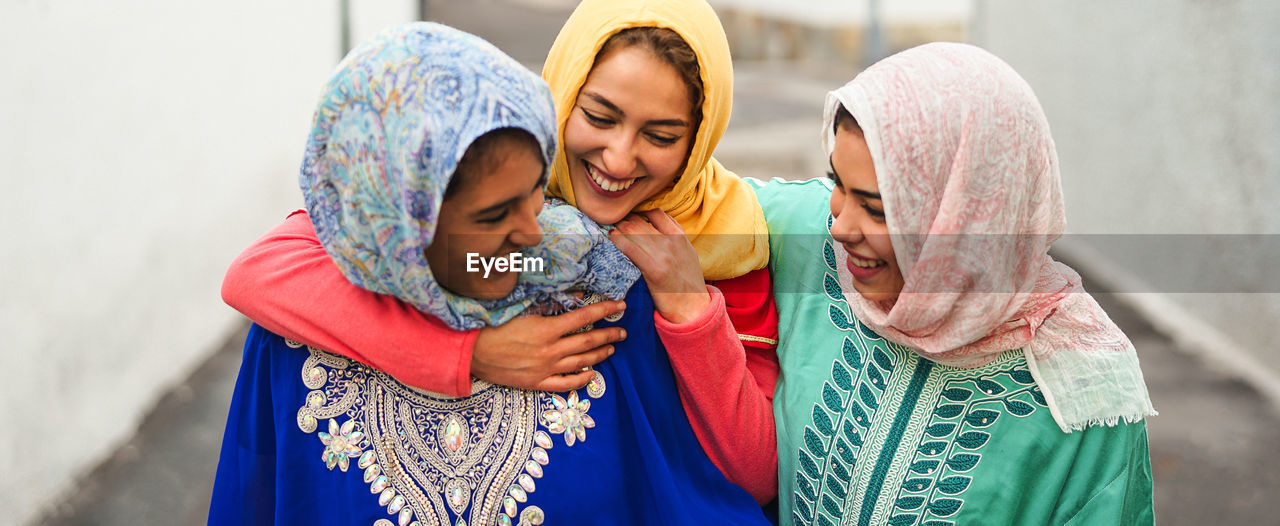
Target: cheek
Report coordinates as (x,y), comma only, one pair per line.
(578,136)
(664,164)
(880,242)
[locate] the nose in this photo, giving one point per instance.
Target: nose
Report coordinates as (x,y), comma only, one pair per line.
(527,233)
(619,154)
(845,228)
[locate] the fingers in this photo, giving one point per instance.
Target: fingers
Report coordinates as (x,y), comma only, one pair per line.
(586,341)
(570,321)
(636,224)
(637,254)
(580,364)
(662,222)
(560,383)
(583,360)
(640,242)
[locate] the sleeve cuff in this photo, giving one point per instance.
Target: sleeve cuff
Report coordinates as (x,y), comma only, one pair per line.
(463,375)
(715,311)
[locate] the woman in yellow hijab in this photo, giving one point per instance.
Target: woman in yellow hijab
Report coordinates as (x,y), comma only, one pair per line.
(702,196)
(643,91)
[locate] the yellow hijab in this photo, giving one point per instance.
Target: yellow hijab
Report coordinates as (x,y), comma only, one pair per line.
(717,210)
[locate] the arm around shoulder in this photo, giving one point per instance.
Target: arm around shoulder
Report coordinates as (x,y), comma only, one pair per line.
(286,282)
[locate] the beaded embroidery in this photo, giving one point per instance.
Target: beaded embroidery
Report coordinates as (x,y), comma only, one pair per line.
(431,459)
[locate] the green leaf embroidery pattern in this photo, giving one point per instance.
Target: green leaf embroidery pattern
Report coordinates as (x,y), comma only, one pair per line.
(949,410)
(909,503)
(1018,407)
(931,448)
(957,394)
(954,485)
(903,520)
(882,360)
(958,419)
(831,398)
(840,375)
(822,421)
(973,439)
(945,507)
(832,287)
(868,333)
(963,462)
(917,484)
(805,487)
(829,255)
(868,398)
(838,487)
(850,353)
(839,318)
(840,421)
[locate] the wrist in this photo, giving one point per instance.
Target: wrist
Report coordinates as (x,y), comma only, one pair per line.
(690,307)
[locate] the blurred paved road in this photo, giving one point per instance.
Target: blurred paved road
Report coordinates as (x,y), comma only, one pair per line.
(1214,446)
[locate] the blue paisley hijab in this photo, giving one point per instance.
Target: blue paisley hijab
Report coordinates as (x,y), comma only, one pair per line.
(395,119)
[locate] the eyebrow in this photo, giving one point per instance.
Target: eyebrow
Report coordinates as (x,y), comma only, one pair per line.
(487,210)
(614,108)
(863,193)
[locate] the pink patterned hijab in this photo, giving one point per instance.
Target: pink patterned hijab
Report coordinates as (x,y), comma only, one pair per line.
(969,178)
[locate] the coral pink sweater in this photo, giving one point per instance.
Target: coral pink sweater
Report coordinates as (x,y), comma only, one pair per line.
(724,360)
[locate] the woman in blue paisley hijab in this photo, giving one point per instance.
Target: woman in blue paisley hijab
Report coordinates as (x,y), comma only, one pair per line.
(427,159)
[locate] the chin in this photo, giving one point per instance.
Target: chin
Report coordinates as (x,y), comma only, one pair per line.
(876,295)
(607,217)
(600,209)
(491,289)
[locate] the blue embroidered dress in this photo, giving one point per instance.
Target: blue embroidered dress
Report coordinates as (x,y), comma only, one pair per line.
(313,438)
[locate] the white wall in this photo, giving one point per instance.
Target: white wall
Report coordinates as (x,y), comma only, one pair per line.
(142,145)
(1166,115)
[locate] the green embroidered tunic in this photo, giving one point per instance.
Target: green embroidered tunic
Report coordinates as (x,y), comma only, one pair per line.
(871,433)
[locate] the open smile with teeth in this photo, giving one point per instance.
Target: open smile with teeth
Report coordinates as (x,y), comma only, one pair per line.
(610,185)
(866,263)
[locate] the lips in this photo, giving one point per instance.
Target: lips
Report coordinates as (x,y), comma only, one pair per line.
(604,185)
(864,268)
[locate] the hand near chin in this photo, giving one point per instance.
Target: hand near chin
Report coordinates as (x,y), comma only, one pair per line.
(538,353)
(659,247)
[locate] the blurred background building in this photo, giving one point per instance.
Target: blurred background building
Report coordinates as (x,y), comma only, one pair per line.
(144,144)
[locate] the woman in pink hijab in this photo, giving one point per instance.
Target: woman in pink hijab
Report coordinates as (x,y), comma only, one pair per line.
(938,367)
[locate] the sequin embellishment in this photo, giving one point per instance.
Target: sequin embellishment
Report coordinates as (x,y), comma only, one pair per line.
(569,416)
(443,460)
(596,387)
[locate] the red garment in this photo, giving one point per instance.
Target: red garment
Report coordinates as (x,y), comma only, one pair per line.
(726,382)
(286,282)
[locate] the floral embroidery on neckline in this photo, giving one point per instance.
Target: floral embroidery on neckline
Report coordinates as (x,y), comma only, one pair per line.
(434,459)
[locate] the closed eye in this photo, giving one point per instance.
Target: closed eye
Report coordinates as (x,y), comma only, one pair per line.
(596,120)
(495,218)
(662,140)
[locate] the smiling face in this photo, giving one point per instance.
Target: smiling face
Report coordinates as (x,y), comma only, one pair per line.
(629,133)
(860,226)
(490,211)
